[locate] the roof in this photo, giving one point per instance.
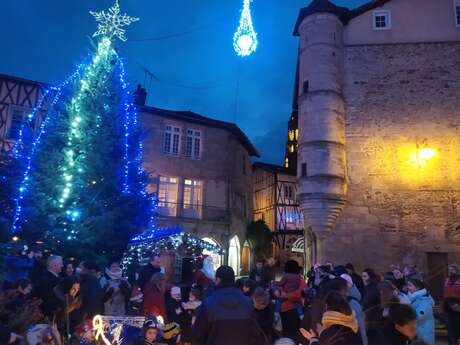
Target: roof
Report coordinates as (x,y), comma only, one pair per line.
(343,13)
(22,80)
(274,168)
(192,117)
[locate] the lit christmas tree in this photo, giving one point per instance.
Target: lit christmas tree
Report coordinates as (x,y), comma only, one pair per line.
(83,189)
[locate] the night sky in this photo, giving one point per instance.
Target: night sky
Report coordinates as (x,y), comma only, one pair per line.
(185,44)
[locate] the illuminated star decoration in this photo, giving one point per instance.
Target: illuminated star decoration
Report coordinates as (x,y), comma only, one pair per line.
(111,23)
(245,38)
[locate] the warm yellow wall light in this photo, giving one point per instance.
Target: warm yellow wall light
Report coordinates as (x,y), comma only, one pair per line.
(426,154)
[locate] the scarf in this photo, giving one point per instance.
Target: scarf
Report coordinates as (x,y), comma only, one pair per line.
(331,318)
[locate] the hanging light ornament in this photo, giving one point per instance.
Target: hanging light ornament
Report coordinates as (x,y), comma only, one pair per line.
(245,38)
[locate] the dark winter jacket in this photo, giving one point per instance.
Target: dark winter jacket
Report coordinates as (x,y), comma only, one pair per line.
(172,307)
(146,273)
(358,281)
(5,334)
(371,307)
(338,335)
(45,291)
(225,318)
(265,320)
(92,297)
(390,336)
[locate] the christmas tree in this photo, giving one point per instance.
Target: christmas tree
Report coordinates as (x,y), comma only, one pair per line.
(83,189)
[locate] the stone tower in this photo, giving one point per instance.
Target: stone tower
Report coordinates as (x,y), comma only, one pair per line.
(321,156)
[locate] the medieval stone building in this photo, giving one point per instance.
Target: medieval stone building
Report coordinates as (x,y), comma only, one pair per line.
(379,132)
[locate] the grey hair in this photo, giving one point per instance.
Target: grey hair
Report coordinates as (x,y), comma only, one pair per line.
(52,259)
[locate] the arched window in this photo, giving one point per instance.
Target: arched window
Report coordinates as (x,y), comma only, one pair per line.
(216,258)
(234,254)
(246,258)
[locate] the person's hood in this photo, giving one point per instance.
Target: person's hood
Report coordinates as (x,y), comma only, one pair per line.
(421,295)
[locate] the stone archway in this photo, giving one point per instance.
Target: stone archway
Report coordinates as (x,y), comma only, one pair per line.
(216,258)
(234,254)
(246,258)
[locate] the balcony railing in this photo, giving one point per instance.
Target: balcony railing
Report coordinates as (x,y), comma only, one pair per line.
(203,212)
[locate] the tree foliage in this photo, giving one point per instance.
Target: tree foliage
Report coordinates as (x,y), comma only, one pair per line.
(261,238)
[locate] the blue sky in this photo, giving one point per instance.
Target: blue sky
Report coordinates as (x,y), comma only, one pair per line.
(186,44)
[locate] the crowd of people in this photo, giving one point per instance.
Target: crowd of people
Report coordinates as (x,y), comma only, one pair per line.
(332,304)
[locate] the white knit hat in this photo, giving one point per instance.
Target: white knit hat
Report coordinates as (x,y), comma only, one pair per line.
(348,279)
(284,341)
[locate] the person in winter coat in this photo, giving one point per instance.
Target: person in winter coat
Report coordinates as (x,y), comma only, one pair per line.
(290,301)
(226,316)
(451,303)
(264,313)
(191,309)
(423,305)
(357,280)
(149,333)
(259,274)
(248,287)
(339,324)
(67,291)
(147,271)
(354,299)
(401,328)
(371,302)
(45,286)
(92,294)
(116,291)
(154,297)
(174,305)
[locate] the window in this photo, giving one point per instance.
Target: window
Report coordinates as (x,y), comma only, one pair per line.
(193,144)
(167,196)
(244,165)
(17,115)
(382,20)
(457,12)
(240,204)
(192,198)
(288,192)
(304,170)
(171,140)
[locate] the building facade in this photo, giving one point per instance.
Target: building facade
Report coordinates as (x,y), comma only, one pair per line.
(201,173)
(18,98)
(275,202)
(379,132)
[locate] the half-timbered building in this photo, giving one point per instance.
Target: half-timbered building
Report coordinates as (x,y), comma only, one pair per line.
(275,202)
(18,98)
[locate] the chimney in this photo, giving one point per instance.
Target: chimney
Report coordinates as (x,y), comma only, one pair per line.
(140,95)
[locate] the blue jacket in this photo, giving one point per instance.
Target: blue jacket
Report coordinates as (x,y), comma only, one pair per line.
(226,318)
(423,304)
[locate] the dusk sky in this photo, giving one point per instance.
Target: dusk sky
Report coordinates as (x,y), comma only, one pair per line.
(185,44)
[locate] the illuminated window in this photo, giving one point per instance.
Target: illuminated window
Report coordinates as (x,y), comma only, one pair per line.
(167,195)
(193,144)
(291,135)
(171,140)
(192,198)
(234,255)
(286,162)
(297,134)
(291,148)
(382,20)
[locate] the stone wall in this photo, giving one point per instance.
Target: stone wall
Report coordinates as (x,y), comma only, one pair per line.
(400,99)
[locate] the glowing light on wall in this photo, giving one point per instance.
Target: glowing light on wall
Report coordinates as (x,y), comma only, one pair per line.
(420,157)
(245,38)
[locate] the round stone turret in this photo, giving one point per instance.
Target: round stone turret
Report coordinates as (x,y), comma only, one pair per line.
(321,152)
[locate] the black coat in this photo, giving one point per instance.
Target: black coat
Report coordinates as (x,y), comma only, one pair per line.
(339,335)
(358,281)
(265,320)
(372,308)
(171,306)
(92,297)
(225,318)
(146,273)
(45,291)
(390,336)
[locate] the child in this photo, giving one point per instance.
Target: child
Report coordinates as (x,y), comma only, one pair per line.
(290,282)
(149,333)
(190,311)
(173,305)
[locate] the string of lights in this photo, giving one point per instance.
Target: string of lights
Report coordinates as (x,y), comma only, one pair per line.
(245,38)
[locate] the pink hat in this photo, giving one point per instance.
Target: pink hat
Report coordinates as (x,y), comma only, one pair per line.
(348,279)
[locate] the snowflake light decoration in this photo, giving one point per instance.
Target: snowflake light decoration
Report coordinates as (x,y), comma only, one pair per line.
(111,23)
(245,38)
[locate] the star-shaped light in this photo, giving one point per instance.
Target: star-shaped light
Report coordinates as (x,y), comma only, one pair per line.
(111,23)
